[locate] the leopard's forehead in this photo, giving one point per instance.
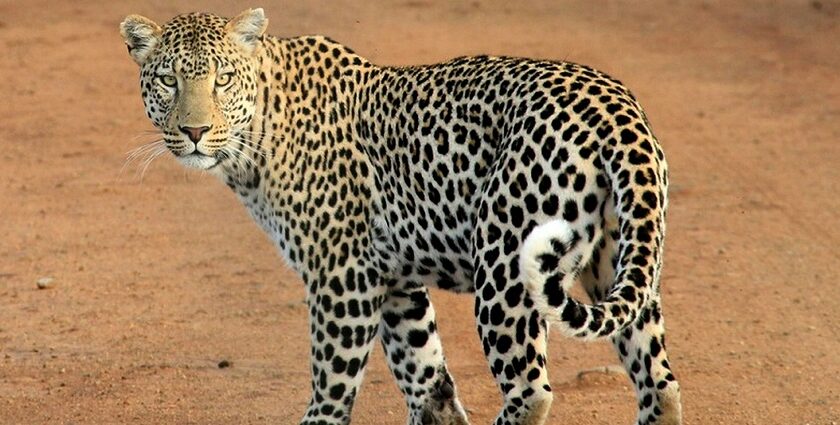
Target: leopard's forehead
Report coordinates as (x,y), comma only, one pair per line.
(193,43)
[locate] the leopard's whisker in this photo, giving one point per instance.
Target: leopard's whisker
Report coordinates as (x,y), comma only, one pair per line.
(239,158)
(141,151)
(241,155)
(154,155)
(140,136)
(248,147)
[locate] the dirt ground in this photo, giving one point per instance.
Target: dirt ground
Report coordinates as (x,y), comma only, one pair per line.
(157,281)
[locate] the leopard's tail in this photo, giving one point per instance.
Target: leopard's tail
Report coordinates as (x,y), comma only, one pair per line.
(554,253)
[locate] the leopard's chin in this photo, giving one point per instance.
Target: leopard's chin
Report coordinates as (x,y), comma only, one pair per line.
(199,161)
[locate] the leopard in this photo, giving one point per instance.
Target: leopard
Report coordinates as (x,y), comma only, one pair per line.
(508,179)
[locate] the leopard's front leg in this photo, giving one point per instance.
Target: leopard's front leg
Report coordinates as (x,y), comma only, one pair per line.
(344,314)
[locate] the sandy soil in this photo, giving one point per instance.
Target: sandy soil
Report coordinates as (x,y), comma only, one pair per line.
(157,281)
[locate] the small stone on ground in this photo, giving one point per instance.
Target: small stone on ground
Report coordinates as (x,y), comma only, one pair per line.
(44,282)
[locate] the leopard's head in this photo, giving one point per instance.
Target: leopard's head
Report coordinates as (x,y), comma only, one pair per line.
(198,79)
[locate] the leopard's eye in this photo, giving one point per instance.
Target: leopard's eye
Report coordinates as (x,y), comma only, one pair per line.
(223,79)
(168,80)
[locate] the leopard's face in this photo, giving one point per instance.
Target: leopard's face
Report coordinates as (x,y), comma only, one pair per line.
(198,81)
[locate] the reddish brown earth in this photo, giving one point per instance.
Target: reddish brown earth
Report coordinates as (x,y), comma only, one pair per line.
(157,281)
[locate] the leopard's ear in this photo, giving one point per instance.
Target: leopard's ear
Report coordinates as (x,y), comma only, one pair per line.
(247,28)
(141,35)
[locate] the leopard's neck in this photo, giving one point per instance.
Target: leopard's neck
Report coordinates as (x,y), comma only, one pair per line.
(305,152)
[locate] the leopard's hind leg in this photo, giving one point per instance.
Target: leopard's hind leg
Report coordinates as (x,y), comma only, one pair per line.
(641,346)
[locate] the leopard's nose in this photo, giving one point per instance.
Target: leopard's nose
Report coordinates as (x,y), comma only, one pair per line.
(194,133)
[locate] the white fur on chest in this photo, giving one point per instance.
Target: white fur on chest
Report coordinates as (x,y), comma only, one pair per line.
(267,218)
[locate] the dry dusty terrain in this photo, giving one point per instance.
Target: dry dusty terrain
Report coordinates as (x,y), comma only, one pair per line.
(157,281)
